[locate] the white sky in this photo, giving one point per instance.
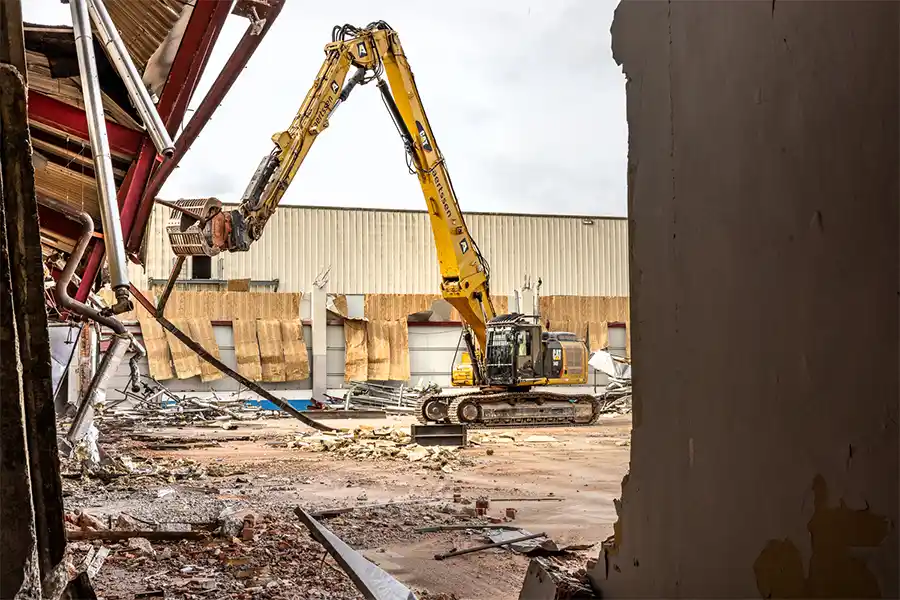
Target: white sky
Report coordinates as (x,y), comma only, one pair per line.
(524,99)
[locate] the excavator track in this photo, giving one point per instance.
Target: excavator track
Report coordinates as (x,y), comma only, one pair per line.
(519,409)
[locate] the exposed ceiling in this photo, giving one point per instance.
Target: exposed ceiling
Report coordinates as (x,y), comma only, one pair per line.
(64,170)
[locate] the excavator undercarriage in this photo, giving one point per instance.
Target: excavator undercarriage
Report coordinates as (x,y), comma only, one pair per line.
(487,408)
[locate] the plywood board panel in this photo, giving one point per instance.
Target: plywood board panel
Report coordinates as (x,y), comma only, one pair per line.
(157,347)
(186,361)
(271,351)
(201,330)
(378,348)
(356,359)
(246,349)
(398,340)
(296,357)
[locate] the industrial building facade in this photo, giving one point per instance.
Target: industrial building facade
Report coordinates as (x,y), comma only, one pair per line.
(382,284)
(392,252)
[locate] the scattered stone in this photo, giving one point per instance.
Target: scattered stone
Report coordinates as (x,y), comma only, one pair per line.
(89,522)
(511,513)
(232,523)
(540,438)
(141,546)
(126,523)
(489,452)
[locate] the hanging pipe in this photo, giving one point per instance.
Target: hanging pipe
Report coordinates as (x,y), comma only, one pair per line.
(121,342)
(121,60)
(96,122)
(62,293)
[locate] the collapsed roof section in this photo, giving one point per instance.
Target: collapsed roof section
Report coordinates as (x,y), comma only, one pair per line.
(170,42)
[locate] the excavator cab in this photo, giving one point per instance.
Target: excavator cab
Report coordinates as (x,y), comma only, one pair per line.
(513,357)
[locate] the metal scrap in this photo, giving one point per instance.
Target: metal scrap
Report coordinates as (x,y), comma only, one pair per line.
(373,582)
(521,541)
(516,538)
(395,399)
(616,398)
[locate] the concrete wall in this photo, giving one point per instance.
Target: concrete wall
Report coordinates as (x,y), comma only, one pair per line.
(763,197)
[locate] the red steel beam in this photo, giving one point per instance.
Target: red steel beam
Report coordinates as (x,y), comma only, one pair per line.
(71,120)
(222,85)
(200,35)
(201,32)
(55,222)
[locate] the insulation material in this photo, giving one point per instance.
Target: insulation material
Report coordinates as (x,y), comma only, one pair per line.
(501,304)
(378,350)
(296,356)
(271,351)
(398,341)
(246,349)
(338,305)
(227,306)
(391,307)
(158,355)
(356,354)
(189,305)
(201,330)
(238,285)
(262,305)
(186,361)
(583,313)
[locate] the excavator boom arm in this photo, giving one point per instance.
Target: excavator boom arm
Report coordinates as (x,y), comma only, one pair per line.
(374,51)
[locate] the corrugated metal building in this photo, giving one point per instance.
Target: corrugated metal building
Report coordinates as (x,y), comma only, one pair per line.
(392,252)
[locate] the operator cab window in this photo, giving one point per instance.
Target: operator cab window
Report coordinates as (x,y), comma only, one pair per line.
(201,267)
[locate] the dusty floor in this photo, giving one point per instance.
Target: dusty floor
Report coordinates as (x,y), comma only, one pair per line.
(252,468)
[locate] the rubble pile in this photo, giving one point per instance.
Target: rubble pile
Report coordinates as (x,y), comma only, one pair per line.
(112,467)
(272,559)
(390,442)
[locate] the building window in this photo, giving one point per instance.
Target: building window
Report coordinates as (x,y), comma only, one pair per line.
(201,267)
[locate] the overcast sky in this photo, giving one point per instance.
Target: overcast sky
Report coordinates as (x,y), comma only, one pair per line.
(524,99)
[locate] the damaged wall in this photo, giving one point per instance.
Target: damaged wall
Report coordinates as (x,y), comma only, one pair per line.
(763,194)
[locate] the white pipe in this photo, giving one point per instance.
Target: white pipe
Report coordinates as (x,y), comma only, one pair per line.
(121,60)
(103,173)
(96,394)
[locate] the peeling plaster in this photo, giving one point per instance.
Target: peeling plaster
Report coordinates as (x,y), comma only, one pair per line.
(836,568)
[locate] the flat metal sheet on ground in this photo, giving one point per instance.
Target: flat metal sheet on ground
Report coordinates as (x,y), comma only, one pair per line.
(535,546)
(373,582)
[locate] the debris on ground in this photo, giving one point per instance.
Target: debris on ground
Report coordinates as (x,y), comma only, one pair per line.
(389,442)
(283,562)
(546,580)
(366,395)
(540,438)
(368,577)
(112,467)
(489,437)
(524,542)
(141,546)
(616,398)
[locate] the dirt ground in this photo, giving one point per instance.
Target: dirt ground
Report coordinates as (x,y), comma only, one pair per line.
(211,470)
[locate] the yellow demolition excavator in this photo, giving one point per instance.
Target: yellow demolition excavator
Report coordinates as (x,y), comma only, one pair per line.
(508,355)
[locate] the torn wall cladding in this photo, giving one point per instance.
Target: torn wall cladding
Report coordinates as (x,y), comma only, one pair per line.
(269,344)
(763,153)
(268,335)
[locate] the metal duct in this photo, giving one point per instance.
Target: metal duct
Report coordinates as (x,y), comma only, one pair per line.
(96,393)
(121,60)
(93,104)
